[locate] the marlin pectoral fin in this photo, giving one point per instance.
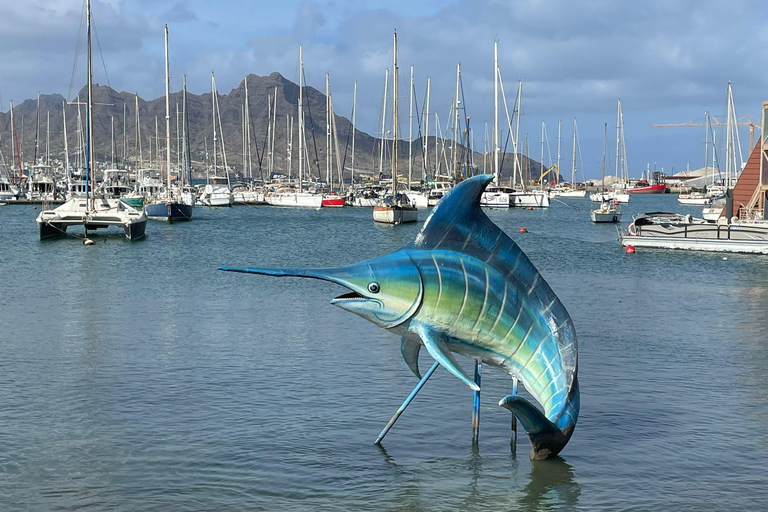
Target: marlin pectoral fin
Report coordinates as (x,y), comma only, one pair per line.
(435,345)
(546,438)
(410,349)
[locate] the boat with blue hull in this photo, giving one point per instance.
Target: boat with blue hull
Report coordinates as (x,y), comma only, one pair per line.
(170,211)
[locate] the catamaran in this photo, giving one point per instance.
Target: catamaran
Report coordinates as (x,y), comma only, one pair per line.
(91,212)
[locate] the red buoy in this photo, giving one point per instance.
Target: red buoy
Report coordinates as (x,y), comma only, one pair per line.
(523,230)
(630,249)
(530,207)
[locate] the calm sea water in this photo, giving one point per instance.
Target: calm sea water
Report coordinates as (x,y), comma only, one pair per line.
(135,376)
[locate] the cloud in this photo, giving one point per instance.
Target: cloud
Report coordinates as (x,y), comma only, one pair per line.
(179,13)
(667,61)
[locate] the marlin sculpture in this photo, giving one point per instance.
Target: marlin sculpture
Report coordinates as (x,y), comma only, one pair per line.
(463,286)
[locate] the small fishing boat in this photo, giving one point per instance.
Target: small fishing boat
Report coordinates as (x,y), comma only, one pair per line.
(644,187)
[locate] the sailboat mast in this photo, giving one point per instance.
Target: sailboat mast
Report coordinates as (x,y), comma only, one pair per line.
(541,173)
(557,173)
(618,128)
(354,118)
(426,132)
(274,129)
(37,129)
(185,134)
(112,137)
(213,119)
(125,136)
(66,144)
(410,132)
(518,166)
(573,162)
(328,177)
(138,134)
(395,93)
(456,136)
(301,118)
(495,139)
(248,129)
(89,173)
(167,117)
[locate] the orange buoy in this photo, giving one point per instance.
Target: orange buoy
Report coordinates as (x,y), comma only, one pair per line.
(530,207)
(630,249)
(523,230)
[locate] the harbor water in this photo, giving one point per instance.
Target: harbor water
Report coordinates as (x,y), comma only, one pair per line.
(136,376)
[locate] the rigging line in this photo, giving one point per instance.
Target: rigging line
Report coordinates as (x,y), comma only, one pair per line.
(419,134)
(101,54)
(346,147)
(78,47)
(253,134)
(312,130)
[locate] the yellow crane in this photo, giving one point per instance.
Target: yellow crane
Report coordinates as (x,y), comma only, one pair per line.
(715,122)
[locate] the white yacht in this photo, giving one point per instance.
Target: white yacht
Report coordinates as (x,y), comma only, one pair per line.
(217,192)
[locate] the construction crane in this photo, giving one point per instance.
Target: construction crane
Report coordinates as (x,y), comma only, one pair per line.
(715,122)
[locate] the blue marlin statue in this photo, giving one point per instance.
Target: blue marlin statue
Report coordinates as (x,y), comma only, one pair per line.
(464,287)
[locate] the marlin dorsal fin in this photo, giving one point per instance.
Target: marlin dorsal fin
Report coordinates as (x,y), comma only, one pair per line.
(459,224)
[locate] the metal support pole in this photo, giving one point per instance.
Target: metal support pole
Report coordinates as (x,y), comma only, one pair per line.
(407,402)
(513,439)
(476,404)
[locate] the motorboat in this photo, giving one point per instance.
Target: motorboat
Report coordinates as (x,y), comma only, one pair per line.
(664,230)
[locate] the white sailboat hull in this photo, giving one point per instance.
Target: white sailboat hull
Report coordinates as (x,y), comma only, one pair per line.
(598,216)
(694,201)
(573,193)
(296,200)
(395,214)
(535,199)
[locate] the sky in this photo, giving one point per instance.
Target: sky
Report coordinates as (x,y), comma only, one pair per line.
(668,61)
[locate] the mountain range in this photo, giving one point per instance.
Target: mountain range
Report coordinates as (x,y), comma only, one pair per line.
(109,119)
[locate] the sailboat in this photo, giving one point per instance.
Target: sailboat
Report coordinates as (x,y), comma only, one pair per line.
(91,212)
(609,210)
(285,195)
(619,192)
(570,190)
(395,208)
(217,191)
(331,199)
(494,195)
(169,205)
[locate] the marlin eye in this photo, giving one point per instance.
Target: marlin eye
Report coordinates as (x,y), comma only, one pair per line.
(373,287)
